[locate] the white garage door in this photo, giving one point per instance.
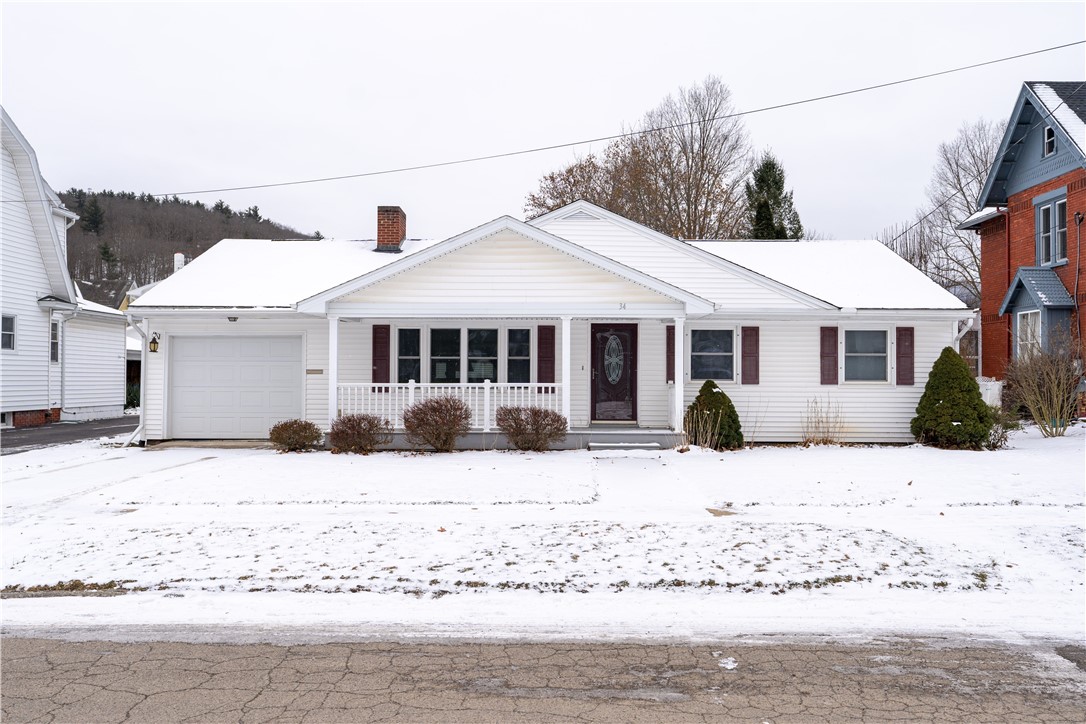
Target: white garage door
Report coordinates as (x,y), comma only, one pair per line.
(234,387)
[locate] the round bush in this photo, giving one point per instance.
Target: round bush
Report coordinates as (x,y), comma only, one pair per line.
(952,414)
(295,435)
(359,433)
(437,423)
(711,420)
(531,428)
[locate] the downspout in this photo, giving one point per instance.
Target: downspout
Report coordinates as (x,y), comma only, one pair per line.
(143,379)
(62,330)
(1006,214)
(1078,269)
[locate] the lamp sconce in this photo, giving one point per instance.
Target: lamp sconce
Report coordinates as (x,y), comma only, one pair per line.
(152,345)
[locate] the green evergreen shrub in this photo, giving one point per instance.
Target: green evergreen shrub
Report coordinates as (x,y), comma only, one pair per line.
(952,414)
(711,420)
(359,434)
(531,428)
(295,435)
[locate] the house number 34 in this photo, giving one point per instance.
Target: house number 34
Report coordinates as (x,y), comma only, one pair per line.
(622,305)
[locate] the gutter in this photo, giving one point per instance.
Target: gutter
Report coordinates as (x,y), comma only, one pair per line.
(143,380)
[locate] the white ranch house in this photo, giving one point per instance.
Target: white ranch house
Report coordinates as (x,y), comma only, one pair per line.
(580,310)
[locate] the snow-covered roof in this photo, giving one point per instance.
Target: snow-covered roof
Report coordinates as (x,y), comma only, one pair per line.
(85,305)
(1042,284)
(1066,102)
(976,219)
(268,274)
(856,274)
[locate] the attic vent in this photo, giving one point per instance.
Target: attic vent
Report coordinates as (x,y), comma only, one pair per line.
(581,216)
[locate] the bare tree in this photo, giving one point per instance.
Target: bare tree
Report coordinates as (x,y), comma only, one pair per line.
(680,172)
(932,243)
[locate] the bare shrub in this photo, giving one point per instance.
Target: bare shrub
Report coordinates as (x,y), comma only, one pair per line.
(822,424)
(295,435)
(359,434)
(531,428)
(701,428)
(437,423)
(1003,423)
(1045,382)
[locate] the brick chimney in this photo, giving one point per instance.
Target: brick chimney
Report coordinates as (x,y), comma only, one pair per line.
(391,228)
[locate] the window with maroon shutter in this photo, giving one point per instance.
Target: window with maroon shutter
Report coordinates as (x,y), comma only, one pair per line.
(905,356)
(382,334)
(749,375)
(545,354)
(829,355)
(669,351)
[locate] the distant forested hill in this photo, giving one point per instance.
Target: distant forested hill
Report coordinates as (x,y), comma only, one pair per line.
(124,236)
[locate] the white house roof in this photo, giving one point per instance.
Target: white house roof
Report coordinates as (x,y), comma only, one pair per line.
(268,274)
(856,274)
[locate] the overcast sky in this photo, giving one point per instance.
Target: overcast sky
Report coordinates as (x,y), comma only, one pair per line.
(169,98)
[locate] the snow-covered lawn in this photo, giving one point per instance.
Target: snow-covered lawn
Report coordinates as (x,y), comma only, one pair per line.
(628,543)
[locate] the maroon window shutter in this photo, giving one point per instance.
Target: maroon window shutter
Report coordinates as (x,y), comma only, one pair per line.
(545,354)
(750,356)
(905,356)
(829,355)
(669,350)
(382,350)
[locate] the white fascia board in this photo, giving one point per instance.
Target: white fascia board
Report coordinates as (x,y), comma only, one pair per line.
(900,316)
(701,255)
(40,201)
(318,303)
(510,311)
(205,312)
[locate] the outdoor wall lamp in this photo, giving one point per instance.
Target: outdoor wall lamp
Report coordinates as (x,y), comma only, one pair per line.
(152,345)
(231,319)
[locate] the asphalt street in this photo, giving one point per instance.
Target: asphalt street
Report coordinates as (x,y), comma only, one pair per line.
(58,433)
(48,680)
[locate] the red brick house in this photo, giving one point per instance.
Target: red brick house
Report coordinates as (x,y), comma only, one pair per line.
(1029,218)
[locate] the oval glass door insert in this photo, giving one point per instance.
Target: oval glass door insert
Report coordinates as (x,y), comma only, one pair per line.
(612,359)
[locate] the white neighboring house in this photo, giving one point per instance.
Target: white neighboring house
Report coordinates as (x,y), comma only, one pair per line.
(61,357)
(580,310)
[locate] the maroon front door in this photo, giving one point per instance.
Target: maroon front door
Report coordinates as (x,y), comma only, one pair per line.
(614,372)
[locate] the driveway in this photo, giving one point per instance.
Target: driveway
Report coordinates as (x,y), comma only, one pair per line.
(58,433)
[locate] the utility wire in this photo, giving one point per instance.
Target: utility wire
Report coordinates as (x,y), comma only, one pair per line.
(976,177)
(599,139)
(617,136)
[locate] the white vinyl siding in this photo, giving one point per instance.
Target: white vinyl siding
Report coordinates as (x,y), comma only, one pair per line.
(94,366)
(505,272)
(25,380)
(773,410)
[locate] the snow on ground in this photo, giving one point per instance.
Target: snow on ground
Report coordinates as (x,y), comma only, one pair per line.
(576,543)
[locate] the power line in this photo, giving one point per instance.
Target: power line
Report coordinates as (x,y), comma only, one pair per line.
(539,149)
(976,177)
(617,136)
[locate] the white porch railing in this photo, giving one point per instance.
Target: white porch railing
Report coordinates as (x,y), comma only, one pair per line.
(389,400)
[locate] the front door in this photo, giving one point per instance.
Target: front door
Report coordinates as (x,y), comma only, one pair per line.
(614,372)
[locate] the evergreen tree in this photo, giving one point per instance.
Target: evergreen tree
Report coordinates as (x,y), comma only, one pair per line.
(253,212)
(318,235)
(223,208)
(94,217)
(769,206)
(109,259)
(952,413)
(712,420)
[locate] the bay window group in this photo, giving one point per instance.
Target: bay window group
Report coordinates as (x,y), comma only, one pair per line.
(454,355)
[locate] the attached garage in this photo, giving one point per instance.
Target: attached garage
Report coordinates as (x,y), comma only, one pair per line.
(234,387)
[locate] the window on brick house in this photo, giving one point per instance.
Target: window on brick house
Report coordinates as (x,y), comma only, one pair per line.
(1052,232)
(1049,142)
(1028,333)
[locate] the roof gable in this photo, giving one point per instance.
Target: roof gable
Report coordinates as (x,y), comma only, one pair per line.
(1019,163)
(42,203)
(681,263)
(318,303)
(1042,285)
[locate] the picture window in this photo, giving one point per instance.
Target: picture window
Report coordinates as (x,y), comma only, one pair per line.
(712,354)
(866,356)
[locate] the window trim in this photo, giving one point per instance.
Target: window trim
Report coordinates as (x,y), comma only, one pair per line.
(1018,331)
(735,354)
(890,354)
(1048,137)
(14,333)
(54,342)
(503,350)
(1051,247)
(397,356)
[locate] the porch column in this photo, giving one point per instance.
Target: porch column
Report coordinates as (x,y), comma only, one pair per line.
(567,366)
(333,369)
(680,374)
